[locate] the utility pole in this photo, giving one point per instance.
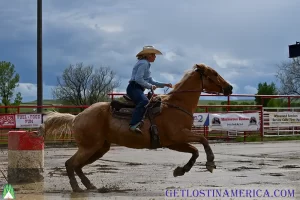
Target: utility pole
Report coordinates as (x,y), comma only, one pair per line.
(39,58)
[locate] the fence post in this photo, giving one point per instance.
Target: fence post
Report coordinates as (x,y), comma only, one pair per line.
(261,123)
(25,157)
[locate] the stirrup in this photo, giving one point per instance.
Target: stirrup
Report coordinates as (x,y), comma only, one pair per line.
(135,128)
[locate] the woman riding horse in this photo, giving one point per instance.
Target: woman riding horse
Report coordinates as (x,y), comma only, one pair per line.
(140,80)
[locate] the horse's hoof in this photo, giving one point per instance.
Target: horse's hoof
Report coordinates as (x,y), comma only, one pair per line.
(92,187)
(79,190)
(178,172)
(210,166)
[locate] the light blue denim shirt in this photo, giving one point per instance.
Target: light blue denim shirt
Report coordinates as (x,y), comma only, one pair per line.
(142,75)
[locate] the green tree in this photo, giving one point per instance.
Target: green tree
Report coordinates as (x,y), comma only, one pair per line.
(275,103)
(84,85)
(9,80)
(265,89)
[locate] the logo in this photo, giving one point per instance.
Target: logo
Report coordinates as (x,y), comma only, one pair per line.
(216,121)
(252,121)
(8,192)
(198,118)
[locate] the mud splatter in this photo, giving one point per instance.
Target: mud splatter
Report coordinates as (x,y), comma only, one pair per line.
(259,183)
(289,166)
(243,168)
(244,161)
(134,164)
(294,158)
(211,186)
(58,171)
(113,188)
(265,164)
(105,168)
(276,160)
(142,182)
(273,174)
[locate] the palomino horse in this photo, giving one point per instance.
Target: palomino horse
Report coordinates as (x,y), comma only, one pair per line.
(96,128)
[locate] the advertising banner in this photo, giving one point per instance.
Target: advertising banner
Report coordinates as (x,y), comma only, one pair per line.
(201,119)
(234,121)
(7,121)
(284,119)
(28,120)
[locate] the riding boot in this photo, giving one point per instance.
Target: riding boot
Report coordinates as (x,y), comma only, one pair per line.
(135,128)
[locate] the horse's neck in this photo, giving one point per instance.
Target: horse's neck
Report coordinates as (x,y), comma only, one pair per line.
(186,96)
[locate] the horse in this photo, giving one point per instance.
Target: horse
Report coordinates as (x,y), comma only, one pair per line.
(98,126)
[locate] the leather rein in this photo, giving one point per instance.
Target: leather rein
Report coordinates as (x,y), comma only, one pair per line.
(184,91)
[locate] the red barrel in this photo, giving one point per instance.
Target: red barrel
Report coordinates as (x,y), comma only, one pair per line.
(25,157)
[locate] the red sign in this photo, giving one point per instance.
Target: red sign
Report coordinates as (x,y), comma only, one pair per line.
(7,121)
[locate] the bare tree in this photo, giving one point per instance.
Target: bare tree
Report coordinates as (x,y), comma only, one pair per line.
(84,85)
(289,77)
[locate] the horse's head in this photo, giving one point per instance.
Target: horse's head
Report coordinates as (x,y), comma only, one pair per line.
(212,82)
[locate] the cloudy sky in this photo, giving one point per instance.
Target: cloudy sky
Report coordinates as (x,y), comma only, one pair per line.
(242,40)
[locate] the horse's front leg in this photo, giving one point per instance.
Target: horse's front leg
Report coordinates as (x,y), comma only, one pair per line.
(189,136)
(186,148)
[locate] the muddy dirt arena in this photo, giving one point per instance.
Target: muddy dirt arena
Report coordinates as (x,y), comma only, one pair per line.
(147,174)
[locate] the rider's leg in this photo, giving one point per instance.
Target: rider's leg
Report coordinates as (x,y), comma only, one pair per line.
(139,98)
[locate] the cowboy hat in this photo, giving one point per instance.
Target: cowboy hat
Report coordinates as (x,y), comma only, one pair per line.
(147,50)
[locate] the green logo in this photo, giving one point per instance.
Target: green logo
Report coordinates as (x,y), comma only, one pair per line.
(8,192)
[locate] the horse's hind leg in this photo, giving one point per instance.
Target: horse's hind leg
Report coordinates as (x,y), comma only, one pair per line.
(98,154)
(75,162)
(186,148)
(192,137)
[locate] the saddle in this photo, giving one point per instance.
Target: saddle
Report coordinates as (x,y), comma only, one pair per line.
(123,108)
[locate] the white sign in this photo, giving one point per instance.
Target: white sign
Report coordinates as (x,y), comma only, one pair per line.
(201,119)
(284,119)
(234,121)
(28,120)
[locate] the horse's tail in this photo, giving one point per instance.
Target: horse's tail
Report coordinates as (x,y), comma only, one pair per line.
(56,125)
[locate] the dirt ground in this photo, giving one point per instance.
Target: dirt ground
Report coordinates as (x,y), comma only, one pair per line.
(125,173)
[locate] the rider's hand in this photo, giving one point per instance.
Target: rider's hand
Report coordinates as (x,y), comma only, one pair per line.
(153,87)
(169,85)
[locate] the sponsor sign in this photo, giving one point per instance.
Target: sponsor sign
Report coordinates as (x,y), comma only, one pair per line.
(284,119)
(234,121)
(201,119)
(28,120)
(7,121)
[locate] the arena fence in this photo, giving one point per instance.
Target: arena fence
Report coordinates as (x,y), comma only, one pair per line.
(202,121)
(237,120)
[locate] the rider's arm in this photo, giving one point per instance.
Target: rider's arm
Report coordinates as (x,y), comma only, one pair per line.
(157,83)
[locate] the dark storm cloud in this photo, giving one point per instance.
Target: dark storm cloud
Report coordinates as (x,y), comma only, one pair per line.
(242,40)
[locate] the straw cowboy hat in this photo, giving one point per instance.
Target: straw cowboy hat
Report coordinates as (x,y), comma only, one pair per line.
(147,50)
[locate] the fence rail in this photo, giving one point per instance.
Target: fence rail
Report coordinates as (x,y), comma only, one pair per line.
(265,130)
(204,130)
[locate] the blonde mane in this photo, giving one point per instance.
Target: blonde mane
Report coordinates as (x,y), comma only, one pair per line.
(187,74)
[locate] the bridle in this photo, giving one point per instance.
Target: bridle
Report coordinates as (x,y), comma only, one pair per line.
(202,75)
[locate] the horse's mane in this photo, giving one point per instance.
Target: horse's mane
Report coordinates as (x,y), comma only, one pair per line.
(186,75)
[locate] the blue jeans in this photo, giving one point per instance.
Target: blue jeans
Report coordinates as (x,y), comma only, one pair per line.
(136,93)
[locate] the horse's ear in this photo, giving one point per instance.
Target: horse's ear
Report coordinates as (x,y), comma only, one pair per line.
(200,68)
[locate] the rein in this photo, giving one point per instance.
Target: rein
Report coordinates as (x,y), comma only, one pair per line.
(201,72)
(177,107)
